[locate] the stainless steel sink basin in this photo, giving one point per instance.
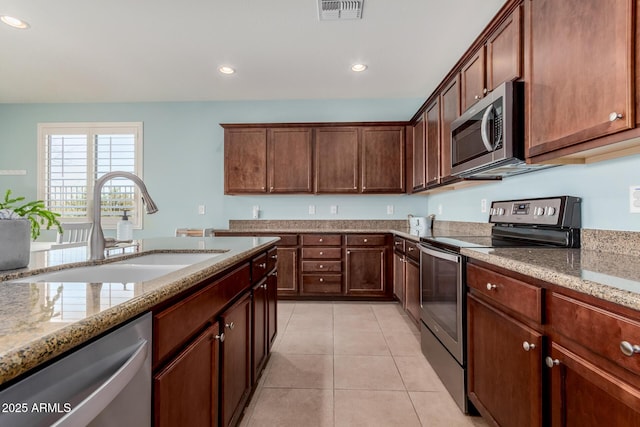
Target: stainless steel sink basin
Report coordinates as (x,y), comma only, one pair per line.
(136,269)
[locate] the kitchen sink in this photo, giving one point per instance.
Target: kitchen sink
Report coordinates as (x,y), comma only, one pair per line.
(136,269)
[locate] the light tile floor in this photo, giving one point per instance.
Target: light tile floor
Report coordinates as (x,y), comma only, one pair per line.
(349,364)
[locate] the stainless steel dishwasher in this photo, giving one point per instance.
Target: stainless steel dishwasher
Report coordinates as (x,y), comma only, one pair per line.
(105,383)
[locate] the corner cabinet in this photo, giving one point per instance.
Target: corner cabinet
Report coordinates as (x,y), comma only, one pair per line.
(580,72)
(318,158)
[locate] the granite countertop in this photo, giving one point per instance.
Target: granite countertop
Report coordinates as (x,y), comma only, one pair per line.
(39,321)
(613,277)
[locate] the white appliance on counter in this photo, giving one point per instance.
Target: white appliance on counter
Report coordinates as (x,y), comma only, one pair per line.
(420,225)
(105,383)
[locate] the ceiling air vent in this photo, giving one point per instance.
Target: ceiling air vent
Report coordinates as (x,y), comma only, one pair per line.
(330,10)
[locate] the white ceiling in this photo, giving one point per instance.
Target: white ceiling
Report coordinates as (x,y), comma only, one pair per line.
(160,50)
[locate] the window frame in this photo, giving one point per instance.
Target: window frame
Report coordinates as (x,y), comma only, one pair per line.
(91,130)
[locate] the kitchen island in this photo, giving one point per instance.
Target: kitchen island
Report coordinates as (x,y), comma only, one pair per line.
(32,329)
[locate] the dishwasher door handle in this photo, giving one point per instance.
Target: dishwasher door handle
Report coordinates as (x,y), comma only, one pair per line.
(95,403)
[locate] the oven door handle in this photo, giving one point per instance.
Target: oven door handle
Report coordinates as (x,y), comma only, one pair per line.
(440,254)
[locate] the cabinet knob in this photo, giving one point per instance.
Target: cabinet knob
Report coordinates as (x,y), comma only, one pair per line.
(271,188)
(411,249)
(491,286)
(264,286)
(477,97)
(274,256)
(528,346)
(355,187)
(275,273)
(484,91)
(551,362)
(321,253)
(262,265)
(629,349)
(320,240)
(397,243)
(321,280)
(321,266)
(365,240)
(230,325)
(615,116)
(219,337)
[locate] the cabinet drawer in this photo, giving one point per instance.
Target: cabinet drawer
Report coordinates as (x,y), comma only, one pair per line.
(321,253)
(398,244)
(365,239)
(258,267)
(522,297)
(175,325)
(287,240)
(599,330)
(320,266)
(321,239)
(411,249)
(322,283)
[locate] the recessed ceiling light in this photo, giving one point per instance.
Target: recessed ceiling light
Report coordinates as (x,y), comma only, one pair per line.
(14,22)
(358,68)
(226,70)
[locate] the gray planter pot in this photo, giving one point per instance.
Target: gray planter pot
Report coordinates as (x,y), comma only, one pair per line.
(15,243)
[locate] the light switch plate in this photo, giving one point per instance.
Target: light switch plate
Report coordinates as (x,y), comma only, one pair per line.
(333,209)
(201,209)
(312,209)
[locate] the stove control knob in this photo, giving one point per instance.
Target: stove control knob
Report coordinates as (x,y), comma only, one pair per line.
(493,211)
(551,211)
(500,211)
(538,211)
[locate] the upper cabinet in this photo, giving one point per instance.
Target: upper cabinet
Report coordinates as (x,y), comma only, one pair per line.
(418,151)
(432,161)
(314,158)
(449,111)
(497,61)
(580,73)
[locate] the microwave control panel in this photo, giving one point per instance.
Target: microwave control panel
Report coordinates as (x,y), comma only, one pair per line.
(563,211)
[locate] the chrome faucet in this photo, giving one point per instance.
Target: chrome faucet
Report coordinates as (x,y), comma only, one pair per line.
(96,235)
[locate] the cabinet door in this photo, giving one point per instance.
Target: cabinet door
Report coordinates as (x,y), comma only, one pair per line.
(504,51)
(186,390)
(259,321)
(412,290)
(245,161)
(336,160)
(290,165)
(450,109)
(419,150)
(382,159)
(287,271)
(272,308)
(433,143)
(581,57)
(472,79)
(236,360)
(505,376)
(398,277)
(584,395)
(365,271)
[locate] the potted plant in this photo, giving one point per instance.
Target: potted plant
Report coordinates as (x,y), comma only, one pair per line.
(18,222)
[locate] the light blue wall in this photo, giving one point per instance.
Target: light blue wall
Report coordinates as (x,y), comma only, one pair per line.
(603,186)
(183,165)
(183,156)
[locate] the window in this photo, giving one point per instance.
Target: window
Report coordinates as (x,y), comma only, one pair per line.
(71,156)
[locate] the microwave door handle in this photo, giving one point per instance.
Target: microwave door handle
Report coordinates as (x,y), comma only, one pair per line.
(484,133)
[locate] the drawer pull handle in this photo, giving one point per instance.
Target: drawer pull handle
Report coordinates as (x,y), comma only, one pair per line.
(263,265)
(629,349)
(491,286)
(321,279)
(220,337)
(551,362)
(528,346)
(230,325)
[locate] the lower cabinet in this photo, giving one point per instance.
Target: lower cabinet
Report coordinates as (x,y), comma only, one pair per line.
(412,289)
(398,277)
(365,271)
(504,366)
(235,360)
(272,308)
(259,313)
(186,390)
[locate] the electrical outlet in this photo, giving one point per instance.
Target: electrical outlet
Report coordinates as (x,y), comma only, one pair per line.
(634,199)
(389,209)
(312,209)
(333,209)
(440,209)
(255,213)
(201,209)
(483,205)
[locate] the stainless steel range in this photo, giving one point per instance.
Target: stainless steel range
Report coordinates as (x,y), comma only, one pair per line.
(553,221)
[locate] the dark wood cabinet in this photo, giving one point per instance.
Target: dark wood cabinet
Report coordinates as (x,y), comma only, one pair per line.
(289,163)
(472,79)
(450,110)
(382,159)
(504,367)
(398,277)
(186,390)
(419,149)
(412,289)
(321,265)
(432,161)
(272,308)
(259,329)
(245,161)
(504,50)
(235,360)
(365,271)
(580,80)
(336,160)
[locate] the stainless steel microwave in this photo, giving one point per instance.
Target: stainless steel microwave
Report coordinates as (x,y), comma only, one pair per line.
(487,141)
